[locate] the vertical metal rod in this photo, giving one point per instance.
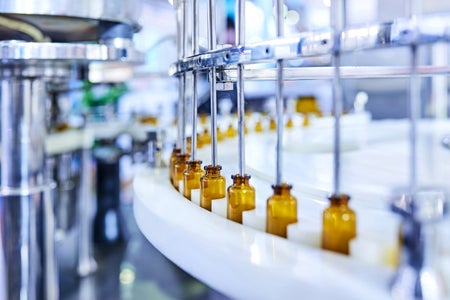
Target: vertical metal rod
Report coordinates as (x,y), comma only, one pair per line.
(240,40)
(86,261)
(181,53)
(195,51)
(279,15)
(337,23)
(184,35)
(212,79)
(413,7)
(414,112)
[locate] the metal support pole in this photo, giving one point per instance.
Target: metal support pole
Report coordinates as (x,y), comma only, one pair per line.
(181,11)
(195,50)
(212,43)
(27,254)
(414,114)
(337,22)
(279,14)
(86,260)
(240,40)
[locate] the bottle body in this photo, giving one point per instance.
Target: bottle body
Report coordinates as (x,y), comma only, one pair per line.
(339,225)
(272,124)
(205,138)
(180,166)
(172,160)
(231,131)
(212,186)
(191,177)
(220,135)
(258,126)
(241,197)
(290,123)
(281,210)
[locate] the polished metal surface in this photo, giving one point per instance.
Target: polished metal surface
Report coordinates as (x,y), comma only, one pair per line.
(337,19)
(28,262)
(279,96)
(62,168)
(414,115)
(212,44)
(418,275)
(23,132)
(76,52)
(240,39)
(195,51)
(86,263)
(122,11)
(398,33)
(346,72)
(181,16)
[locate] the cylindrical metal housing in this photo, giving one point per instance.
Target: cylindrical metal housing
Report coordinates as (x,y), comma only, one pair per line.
(27,258)
(121,11)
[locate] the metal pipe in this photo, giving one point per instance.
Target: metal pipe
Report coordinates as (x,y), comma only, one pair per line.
(337,23)
(414,114)
(184,41)
(212,43)
(181,53)
(85,210)
(240,40)
(28,262)
(279,13)
(195,50)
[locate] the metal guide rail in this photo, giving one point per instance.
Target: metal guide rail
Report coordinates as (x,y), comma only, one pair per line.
(421,30)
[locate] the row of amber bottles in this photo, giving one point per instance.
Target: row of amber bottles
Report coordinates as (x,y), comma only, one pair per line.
(338,223)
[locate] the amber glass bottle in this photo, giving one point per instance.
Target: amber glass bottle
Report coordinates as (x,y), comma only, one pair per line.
(231,131)
(191,177)
(199,141)
(258,126)
(290,123)
(241,196)
(188,144)
(212,186)
(272,124)
(220,135)
(339,225)
(281,210)
(180,166)
(203,118)
(205,137)
(173,159)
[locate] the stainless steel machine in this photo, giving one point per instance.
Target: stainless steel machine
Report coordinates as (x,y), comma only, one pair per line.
(42,43)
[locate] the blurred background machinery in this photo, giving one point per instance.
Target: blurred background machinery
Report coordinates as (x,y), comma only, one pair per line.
(86,96)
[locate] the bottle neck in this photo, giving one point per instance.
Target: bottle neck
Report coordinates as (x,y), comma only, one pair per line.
(213,170)
(182,157)
(339,200)
(283,189)
(240,180)
(194,165)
